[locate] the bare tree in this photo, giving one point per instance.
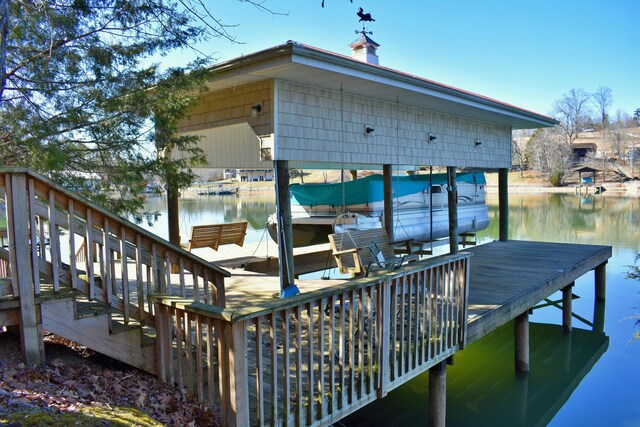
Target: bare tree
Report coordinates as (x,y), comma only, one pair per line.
(519,149)
(573,113)
(602,100)
(547,152)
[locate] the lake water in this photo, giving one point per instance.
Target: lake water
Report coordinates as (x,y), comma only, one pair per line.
(587,378)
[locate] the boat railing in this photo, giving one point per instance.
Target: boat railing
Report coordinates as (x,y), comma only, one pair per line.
(321,355)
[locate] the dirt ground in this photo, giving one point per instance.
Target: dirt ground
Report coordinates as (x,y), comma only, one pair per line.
(79,387)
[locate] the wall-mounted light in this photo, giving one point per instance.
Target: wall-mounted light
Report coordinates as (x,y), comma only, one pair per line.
(431,138)
(477,142)
(369,131)
(255,110)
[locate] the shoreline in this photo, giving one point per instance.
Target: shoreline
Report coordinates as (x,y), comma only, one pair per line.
(612,189)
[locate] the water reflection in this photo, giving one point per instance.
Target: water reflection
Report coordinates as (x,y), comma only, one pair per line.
(570,219)
(213,210)
(483,388)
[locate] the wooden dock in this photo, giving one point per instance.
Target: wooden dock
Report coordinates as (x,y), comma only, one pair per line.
(508,278)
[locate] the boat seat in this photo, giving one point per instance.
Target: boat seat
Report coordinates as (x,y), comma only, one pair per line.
(214,235)
(356,251)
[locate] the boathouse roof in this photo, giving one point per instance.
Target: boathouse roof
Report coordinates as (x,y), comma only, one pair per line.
(308,65)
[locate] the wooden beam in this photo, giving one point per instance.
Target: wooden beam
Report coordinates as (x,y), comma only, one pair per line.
(438,394)
(453,209)
(503,203)
(387,174)
(521,337)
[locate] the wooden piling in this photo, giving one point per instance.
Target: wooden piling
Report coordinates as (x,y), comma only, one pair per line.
(285,230)
(601,281)
(453,210)
(503,204)
(521,337)
(387,174)
(438,395)
(567,307)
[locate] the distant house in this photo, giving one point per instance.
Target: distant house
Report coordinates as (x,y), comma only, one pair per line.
(582,150)
(254,175)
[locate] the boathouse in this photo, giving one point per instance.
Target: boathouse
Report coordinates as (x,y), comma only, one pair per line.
(77,270)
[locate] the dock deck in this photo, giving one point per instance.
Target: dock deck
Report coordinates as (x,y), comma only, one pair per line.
(508,278)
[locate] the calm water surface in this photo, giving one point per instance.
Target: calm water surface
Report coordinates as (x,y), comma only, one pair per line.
(589,378)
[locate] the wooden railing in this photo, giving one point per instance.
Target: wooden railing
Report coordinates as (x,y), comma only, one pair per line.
(123,263)
(315,358)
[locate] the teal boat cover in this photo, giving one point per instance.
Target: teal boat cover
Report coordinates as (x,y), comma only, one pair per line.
(370,189)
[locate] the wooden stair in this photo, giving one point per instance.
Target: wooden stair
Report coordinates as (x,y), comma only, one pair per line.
(102,329)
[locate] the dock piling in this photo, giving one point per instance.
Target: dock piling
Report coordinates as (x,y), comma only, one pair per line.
(521,332)
(601,281)
(438,394)
(567,307)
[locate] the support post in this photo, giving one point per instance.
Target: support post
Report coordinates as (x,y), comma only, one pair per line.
(238,375)
(453,209)
(438,395)
(387,173)
(385,339)
(503,203)
(354,174)
(521,332)
(567,307)
(21,269)
(285,230)
(601,282)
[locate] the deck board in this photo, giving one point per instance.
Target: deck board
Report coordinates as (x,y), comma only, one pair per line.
(508,278)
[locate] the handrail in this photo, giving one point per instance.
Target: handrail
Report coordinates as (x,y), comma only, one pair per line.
(123,262)
(327,352)
(102,211)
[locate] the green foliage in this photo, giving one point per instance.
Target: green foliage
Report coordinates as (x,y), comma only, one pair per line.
(81,96)
(556,177)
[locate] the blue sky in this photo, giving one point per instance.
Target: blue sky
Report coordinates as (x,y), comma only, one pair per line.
(524,53)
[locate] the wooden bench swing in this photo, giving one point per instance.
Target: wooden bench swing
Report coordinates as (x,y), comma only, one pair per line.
(214,235)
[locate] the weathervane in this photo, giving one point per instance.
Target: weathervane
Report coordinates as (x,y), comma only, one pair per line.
(364,31)
(364,17)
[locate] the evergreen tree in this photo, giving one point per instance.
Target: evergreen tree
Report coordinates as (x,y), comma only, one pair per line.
(83,101)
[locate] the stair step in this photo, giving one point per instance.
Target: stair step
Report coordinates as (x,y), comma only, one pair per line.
(86,308)
(148,336)
(118,326)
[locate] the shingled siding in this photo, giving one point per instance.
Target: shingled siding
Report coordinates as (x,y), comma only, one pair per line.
(320,125)
(231,107)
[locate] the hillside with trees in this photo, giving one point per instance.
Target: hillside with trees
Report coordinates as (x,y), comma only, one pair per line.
(586,135)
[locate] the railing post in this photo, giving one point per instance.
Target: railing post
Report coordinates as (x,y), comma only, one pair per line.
(21,268)
(385,338)
(238,375)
